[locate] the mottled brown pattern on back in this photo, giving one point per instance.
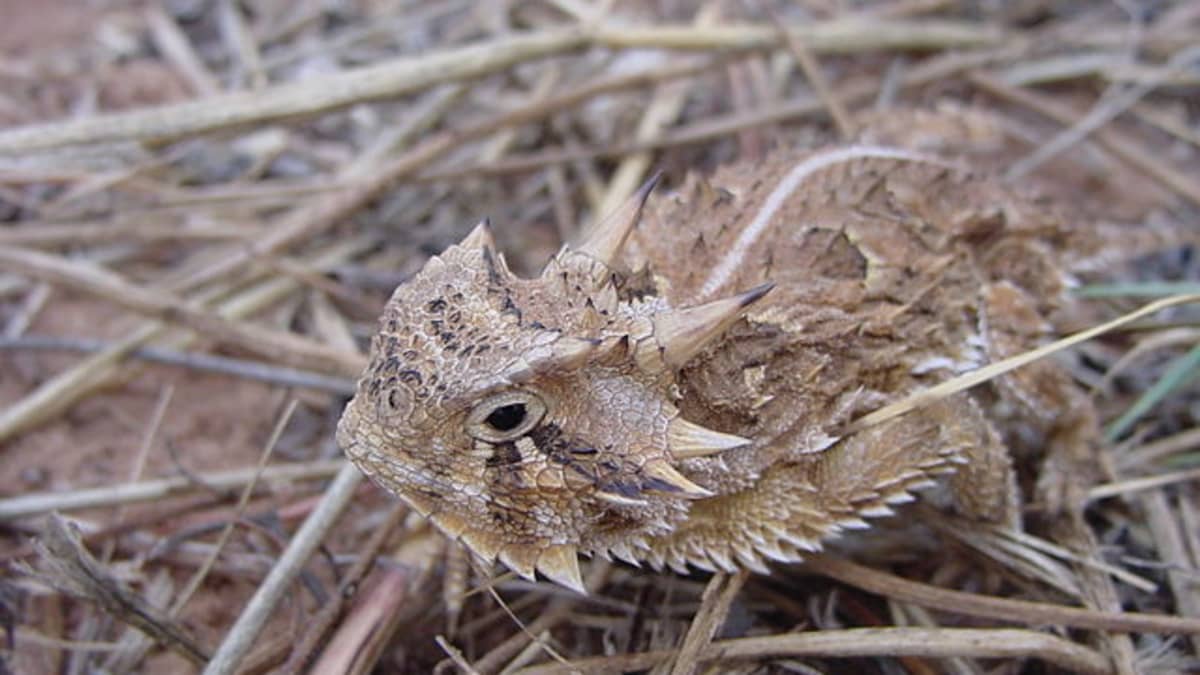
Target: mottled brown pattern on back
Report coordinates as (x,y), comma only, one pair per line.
(703,423)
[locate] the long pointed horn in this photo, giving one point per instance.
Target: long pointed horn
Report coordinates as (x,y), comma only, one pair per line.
(605,239)
(480,237)
(564,354)
(662,477)
(680,335)
(688,439)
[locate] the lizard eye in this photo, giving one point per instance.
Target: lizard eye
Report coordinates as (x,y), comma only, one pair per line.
(505,416)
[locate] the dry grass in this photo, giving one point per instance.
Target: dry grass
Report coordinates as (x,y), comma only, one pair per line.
(254,177)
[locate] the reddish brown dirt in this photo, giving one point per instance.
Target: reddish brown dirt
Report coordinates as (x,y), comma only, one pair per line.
(31,27)
(213,422)
(62,57)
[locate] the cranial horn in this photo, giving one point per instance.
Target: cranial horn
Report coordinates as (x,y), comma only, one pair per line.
(560,564)
(687,440)
(680,335)
(605,239)
(480,237)
(620,499)
(564,354)
(662,477)
(568,353)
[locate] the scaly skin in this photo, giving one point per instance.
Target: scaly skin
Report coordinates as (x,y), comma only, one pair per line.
(677,396)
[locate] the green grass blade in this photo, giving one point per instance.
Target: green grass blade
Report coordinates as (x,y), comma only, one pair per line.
(1181,370)
(1147,289)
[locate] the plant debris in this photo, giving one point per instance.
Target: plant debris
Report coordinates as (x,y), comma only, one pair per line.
(205,204)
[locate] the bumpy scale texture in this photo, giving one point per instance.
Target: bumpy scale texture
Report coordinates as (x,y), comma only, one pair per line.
(675,389)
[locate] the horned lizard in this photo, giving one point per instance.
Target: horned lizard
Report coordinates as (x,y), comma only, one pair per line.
(676,387)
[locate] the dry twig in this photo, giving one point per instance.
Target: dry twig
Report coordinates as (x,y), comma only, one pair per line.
(70,568)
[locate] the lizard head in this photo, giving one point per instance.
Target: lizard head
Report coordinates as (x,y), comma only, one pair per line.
(533,419)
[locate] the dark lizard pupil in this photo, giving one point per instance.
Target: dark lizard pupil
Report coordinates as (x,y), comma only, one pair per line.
(507,417)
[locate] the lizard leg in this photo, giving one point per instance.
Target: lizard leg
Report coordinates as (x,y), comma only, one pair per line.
(1048,405)
(985,486)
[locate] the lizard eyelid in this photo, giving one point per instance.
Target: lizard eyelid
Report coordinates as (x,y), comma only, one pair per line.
(505,416)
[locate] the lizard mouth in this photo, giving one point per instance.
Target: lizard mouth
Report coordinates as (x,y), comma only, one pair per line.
(346,435)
